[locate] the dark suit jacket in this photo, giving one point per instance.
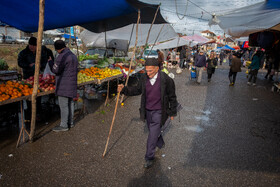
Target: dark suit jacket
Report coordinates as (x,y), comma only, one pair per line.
(168,97)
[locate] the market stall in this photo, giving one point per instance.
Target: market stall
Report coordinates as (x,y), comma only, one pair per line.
(97,72)
(108,16)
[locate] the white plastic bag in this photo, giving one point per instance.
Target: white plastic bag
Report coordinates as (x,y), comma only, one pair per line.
(47,71)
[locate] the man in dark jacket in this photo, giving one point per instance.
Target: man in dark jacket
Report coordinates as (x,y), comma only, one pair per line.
(234,68)
(200,64)
(182,56)
(65,68)
(26,58)
(158,101)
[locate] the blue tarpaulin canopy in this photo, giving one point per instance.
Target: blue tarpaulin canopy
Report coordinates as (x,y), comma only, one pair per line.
(94,15)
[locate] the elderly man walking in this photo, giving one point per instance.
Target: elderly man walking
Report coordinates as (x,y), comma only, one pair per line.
(158,102)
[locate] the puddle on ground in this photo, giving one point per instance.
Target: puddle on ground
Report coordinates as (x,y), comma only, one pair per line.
(203,118)
(195,128)
(206,112)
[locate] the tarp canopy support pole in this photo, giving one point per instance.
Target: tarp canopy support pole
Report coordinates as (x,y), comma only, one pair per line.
(150,30)
(37,67)
(155,41)
(130,37)
(76,42)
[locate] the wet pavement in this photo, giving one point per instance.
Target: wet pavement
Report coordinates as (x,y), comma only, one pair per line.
(224,136)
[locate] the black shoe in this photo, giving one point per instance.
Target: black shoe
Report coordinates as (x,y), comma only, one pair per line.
(71,125)
(148,164)
(60,129)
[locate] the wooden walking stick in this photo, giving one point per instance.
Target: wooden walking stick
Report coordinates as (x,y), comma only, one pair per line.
(112,124)
(115,112)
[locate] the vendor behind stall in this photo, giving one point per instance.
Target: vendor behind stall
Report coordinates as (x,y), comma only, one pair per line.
(26,60)
(27,57)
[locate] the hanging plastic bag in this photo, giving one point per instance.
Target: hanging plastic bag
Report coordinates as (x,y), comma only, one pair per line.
(47,71)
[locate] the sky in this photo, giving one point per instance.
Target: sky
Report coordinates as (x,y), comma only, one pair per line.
(192,16)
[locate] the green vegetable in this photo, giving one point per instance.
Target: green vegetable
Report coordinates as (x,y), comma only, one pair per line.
(102,63)
(3,65)
(88,57)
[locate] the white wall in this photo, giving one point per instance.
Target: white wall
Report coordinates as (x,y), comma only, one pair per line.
(11,31)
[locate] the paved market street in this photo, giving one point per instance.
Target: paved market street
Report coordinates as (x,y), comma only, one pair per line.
(224,136)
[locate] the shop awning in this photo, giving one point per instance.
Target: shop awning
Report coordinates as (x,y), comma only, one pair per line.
(196,38)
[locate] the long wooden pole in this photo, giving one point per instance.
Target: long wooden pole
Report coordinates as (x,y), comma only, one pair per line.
(130,37)
(112,124)
(37,67)
(150,30)
(155,40)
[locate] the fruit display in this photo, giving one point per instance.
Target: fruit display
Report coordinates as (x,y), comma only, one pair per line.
(92,73)
(82,77)
(46,83)
(14,89)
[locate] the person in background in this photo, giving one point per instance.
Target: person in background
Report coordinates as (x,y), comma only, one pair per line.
(230,58)
(3,38)
(245,57)
(200,63)
(254,68)
(269,65)
(182,57)
(211,65)
(158,102)
(222,56)
(65,67)
(234,68)
(160,58)
(173,57)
